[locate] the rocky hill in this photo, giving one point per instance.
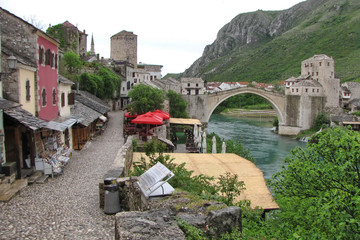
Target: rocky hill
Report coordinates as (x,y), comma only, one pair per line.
(268,46)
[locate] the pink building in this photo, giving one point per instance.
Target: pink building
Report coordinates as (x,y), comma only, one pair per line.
(47,76)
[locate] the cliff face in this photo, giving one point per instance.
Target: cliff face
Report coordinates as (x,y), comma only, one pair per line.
(250,31)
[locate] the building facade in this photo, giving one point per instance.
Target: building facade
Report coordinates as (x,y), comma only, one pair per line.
(322,69)
(47,77)
(124,47)
(192,86)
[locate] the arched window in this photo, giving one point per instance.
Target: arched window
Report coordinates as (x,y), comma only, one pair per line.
(43,96)
(54,97)
(27,86)
(41,55)
(47,57)
(62,99)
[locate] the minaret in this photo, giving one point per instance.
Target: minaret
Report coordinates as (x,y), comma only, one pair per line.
(92,51)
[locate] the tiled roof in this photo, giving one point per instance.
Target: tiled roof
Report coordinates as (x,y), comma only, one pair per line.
(307,83)
(83,114)
(25,118)
(92,102)
(6,104)
(64,80)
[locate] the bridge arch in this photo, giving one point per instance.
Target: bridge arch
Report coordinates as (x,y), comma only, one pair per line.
(276,100)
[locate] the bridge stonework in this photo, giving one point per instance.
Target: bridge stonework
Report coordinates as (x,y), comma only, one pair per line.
(294,113)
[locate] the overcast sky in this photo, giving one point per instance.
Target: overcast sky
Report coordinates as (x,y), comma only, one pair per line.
(170,33)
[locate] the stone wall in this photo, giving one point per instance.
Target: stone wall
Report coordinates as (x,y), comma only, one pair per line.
(19,36)
(124,47)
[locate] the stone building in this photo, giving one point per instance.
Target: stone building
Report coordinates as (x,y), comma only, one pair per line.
(305,100)
(152,69)
(168,84)
(192,86)
(322,69)
(124,47)
(77,39)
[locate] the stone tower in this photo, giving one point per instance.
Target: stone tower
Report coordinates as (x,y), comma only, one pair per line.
(124,47)
(82,43)
(321,68)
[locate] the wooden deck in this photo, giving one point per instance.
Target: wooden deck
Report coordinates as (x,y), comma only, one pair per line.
(218,164)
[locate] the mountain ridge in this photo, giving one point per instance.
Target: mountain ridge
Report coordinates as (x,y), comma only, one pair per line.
(268,46)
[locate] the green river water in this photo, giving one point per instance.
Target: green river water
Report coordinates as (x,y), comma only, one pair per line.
(268,148)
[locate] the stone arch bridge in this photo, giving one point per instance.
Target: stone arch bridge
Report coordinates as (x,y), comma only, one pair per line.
(291,112)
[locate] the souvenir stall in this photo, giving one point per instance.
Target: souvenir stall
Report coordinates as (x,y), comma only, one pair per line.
(52,153)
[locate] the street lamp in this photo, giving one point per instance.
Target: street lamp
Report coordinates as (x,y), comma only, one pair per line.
(12,62)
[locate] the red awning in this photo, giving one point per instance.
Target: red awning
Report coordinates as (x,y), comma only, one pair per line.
(128,115)
(162,114)
(148,118)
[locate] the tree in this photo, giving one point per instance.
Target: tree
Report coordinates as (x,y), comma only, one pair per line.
(72,62)
(318,189)
(145,98)
(177,105)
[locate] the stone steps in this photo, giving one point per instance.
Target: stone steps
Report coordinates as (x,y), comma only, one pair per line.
(34,177)
(7,191)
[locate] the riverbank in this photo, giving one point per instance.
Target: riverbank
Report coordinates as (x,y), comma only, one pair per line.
(238,112)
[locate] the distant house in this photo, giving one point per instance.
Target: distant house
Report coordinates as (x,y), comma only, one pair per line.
(168,84)
(153,70)
(192,86)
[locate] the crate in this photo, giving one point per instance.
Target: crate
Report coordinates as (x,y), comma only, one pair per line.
(9,168)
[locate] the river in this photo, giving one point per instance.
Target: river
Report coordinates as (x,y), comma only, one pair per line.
(268,148)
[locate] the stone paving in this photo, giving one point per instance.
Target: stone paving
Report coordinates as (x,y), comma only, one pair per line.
(67,206)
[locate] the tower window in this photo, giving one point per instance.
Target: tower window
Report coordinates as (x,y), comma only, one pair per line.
(54,97)
(27,86)
(43,96)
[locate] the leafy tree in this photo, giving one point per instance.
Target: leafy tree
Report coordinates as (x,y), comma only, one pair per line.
(145,98)
(321,121)
(112,82)
(72,62)
(87,83)
(177,105)
(318,189)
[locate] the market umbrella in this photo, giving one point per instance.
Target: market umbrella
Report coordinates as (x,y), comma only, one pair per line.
(148,118)
(128,115)
(204,142)
(223,147)
(162,114)
(213,144)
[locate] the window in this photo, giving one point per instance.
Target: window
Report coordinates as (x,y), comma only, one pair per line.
(133,74)
(56,60)
(47,57)
(317,90)
(128,85)
(188,92)
(197,92)
(312,74)
(320,64)
(71,98)
(52,59)
(292,90)
(306,90)
(62,99)
(328,64)
(313,90)
(54,96)
(27,86)
(310,64)
(41,55)
(197,84)
(297,90)
(43,96)
(317,73)
(188,84)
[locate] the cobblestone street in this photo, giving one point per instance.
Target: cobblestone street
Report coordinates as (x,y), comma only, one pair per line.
(67,206)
